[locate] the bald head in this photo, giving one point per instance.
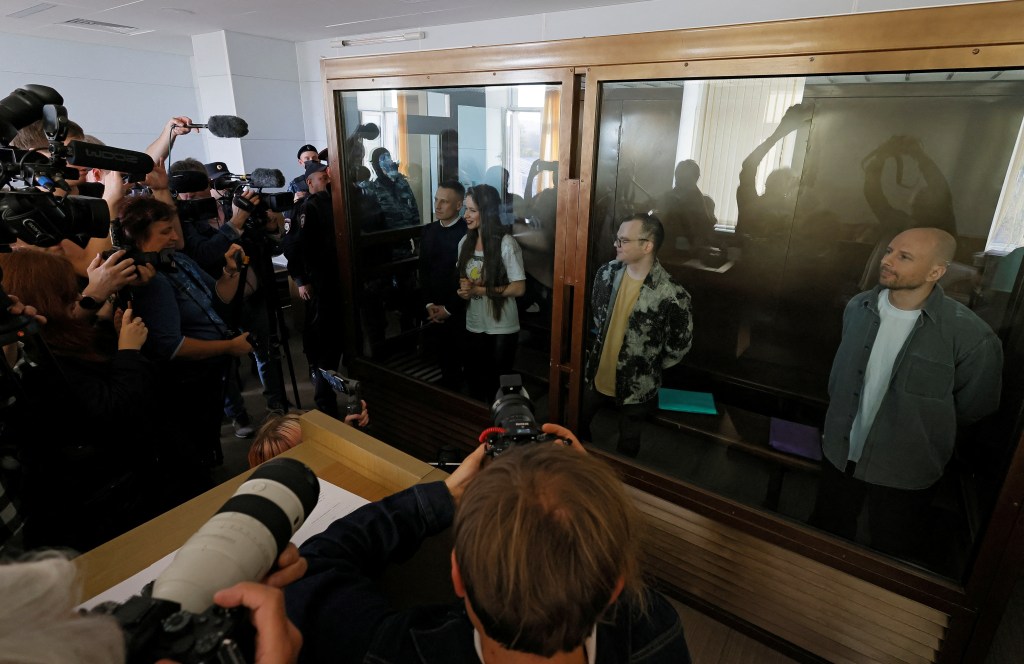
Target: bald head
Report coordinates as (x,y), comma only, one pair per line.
(935,243)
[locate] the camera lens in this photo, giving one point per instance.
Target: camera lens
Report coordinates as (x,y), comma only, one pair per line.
(244,538)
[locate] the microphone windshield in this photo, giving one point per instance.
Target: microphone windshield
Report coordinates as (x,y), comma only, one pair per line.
(108,158)
(269,178)
(188,182)
(227,126)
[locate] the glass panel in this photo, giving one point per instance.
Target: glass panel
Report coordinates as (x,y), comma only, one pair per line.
(409,155)
(781,200)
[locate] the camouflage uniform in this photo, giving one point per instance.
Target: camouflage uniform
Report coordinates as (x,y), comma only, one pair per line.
(658,335)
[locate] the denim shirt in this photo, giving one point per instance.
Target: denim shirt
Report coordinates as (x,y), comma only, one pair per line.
(344,616)
(948,374)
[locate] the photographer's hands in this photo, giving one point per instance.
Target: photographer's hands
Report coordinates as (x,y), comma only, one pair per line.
(239,215)
(107,277)
(563,436)
(467,470)
(290,567)
(359,419)
(471,465)
(277,639)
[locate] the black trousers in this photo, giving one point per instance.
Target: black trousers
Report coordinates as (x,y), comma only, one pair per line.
(488,356)
(322,344)
(447,341)
(631,419)
(897,518)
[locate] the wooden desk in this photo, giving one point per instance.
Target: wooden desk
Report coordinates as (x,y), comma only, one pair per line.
(336,452)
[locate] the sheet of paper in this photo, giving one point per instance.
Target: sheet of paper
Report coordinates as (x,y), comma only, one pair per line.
(334,503)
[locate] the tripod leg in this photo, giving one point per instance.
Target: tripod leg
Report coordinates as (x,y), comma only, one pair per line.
(288,354)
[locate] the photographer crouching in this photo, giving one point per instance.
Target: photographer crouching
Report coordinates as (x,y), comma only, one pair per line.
(187,336)
(546,565)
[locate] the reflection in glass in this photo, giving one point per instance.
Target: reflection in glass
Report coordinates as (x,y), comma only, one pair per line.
(396,176)
(779,200)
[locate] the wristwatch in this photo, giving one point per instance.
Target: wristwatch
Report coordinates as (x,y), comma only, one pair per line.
(89,303)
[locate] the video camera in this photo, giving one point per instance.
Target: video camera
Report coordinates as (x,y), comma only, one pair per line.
(175,617)
(260,179)
(512,414)
(349,389)
(39,216)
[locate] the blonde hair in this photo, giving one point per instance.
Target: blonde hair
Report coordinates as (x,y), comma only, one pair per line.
(542,538)
(279,433)
(38,622)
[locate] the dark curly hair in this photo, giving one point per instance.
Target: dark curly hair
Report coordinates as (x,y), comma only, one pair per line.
(137,214)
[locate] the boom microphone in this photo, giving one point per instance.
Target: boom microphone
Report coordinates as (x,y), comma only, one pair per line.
(108,158)
(223,126)
(268,178)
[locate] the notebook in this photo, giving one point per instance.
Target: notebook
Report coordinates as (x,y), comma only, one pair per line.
(794,438)
(686,402)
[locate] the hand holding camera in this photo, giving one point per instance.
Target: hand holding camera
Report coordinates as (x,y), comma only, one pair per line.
(109,275)
(192,611)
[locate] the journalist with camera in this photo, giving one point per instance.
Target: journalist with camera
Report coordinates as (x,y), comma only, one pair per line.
(545,566)
(207,605)
(75,391)
(212,219)
(188,336)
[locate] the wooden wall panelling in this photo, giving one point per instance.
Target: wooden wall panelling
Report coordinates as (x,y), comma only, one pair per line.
(822,610)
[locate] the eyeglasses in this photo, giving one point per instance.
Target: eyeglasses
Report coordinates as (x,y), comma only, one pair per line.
(619,241)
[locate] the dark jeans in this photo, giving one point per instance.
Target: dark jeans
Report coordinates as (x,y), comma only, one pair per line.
(897,518)
(488,356)
(631,419)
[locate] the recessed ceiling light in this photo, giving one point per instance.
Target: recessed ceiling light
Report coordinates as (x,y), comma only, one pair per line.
(34,9)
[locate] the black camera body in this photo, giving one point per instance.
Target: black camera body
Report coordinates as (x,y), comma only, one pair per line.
(43,218)
(281,201)
(196,209)
(351,394)
(158,629)
(512,414)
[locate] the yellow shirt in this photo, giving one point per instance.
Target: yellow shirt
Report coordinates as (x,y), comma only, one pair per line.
(625,300)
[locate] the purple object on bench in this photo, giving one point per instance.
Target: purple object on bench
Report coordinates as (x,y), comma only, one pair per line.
(794,438)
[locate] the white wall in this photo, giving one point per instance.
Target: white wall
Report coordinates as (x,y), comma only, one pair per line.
(122,96)
(650,16)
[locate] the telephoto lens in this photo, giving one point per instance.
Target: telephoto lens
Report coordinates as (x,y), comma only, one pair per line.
(244,538)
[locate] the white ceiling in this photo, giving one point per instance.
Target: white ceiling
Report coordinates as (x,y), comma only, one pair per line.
(167,25)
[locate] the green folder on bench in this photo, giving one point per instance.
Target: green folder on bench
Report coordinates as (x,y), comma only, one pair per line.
(686,402)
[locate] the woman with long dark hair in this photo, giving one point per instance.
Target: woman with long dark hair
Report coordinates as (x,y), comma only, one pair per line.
(87,426)
(491,276)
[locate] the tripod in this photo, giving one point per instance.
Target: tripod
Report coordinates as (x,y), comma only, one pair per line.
(259,261)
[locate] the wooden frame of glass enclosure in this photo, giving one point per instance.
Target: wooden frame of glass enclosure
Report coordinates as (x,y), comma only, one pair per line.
(923,617)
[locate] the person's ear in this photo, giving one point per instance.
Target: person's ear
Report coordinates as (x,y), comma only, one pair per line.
(460,587)
(937,272)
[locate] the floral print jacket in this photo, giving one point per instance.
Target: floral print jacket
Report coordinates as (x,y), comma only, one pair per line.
(658,336)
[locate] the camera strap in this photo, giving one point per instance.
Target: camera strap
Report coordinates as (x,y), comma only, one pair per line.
(188,282)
